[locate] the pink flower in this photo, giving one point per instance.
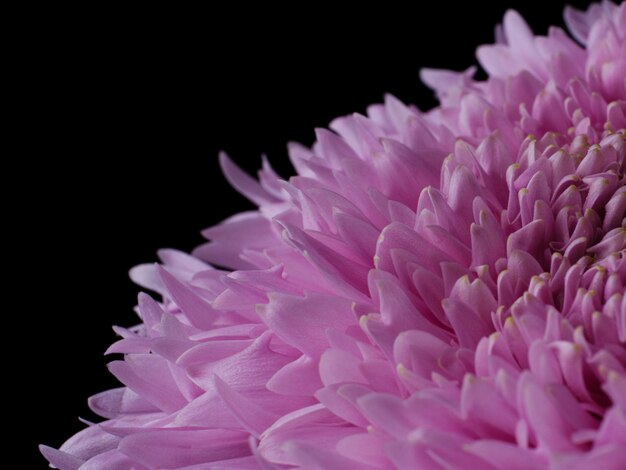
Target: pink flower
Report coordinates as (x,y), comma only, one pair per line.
(439,290)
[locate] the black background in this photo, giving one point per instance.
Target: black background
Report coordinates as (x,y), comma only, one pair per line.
(124,114)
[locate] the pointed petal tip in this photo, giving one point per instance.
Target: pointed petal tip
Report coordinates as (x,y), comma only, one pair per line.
(59,459)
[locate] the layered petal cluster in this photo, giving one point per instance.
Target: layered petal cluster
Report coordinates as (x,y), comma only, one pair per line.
(433,290)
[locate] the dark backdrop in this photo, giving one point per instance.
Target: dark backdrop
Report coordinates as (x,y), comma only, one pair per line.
(128,110)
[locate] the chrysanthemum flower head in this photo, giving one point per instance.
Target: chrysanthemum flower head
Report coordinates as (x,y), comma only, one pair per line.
(433,290)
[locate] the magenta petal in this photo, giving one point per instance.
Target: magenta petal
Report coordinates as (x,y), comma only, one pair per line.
(489,410)
(149,377)
(247,229)
(275,445)
(112,459)
(252,417)
(387,413)
(468,325)
(120,401)
(245,184)
(553,421)
(197,310)
(506,455)
(298,378)
(611,457)
(182,447)
(365,448)
(306,331)
(60,459)
(314,458)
